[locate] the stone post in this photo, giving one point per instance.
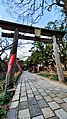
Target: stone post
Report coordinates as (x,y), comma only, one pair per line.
(57,60)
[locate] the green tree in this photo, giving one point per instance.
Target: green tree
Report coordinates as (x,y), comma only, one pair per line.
(42,54)
(38,52)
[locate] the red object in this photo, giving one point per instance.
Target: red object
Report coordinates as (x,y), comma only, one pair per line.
(12,58)
(20,69)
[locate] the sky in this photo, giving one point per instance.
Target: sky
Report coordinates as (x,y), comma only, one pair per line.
(48,16)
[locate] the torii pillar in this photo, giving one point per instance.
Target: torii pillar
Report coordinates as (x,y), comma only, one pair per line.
(12,62)
(57,60)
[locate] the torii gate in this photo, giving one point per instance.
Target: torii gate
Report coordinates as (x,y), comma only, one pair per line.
(56,37)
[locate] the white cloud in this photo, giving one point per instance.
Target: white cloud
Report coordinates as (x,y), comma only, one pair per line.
(23,53)
(23,50)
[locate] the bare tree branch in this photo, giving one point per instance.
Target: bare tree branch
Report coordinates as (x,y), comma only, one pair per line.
(29,10)
(25,9)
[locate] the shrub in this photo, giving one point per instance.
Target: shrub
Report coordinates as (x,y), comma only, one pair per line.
(45,75)
(4,99)
(2,113)
(55,77)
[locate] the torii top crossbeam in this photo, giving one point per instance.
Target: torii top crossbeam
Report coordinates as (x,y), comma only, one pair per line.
(29,29)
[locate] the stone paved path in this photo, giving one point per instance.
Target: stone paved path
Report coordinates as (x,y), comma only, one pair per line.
(38,98)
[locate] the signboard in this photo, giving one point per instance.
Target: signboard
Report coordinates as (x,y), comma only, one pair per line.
(37,32)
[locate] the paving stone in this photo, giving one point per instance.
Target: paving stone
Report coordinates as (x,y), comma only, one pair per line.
(18,89)
(60,95)
(64,106)
(28,88)
(51,89)
(61,114)
(23,94)
(32,101)
(52,95)
(47,112)
(57,89)
(36,93)
(40,90)
(12,114)
(38,117)
(32,86)
(55,92)
(39,97)
(15,98)
(29,91)
(23,99)
(37,87)
(17,92)
(23,89)
(54,117)
(48,91)
(23,105)
(23,85)
(53,105)
(64,94)
(65,90)
(65,99)
(14,104)
(44,94)
(30,95)
(35,110)
(24,114)
(34,89)
(48,98)
(42,104)
(58,100)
